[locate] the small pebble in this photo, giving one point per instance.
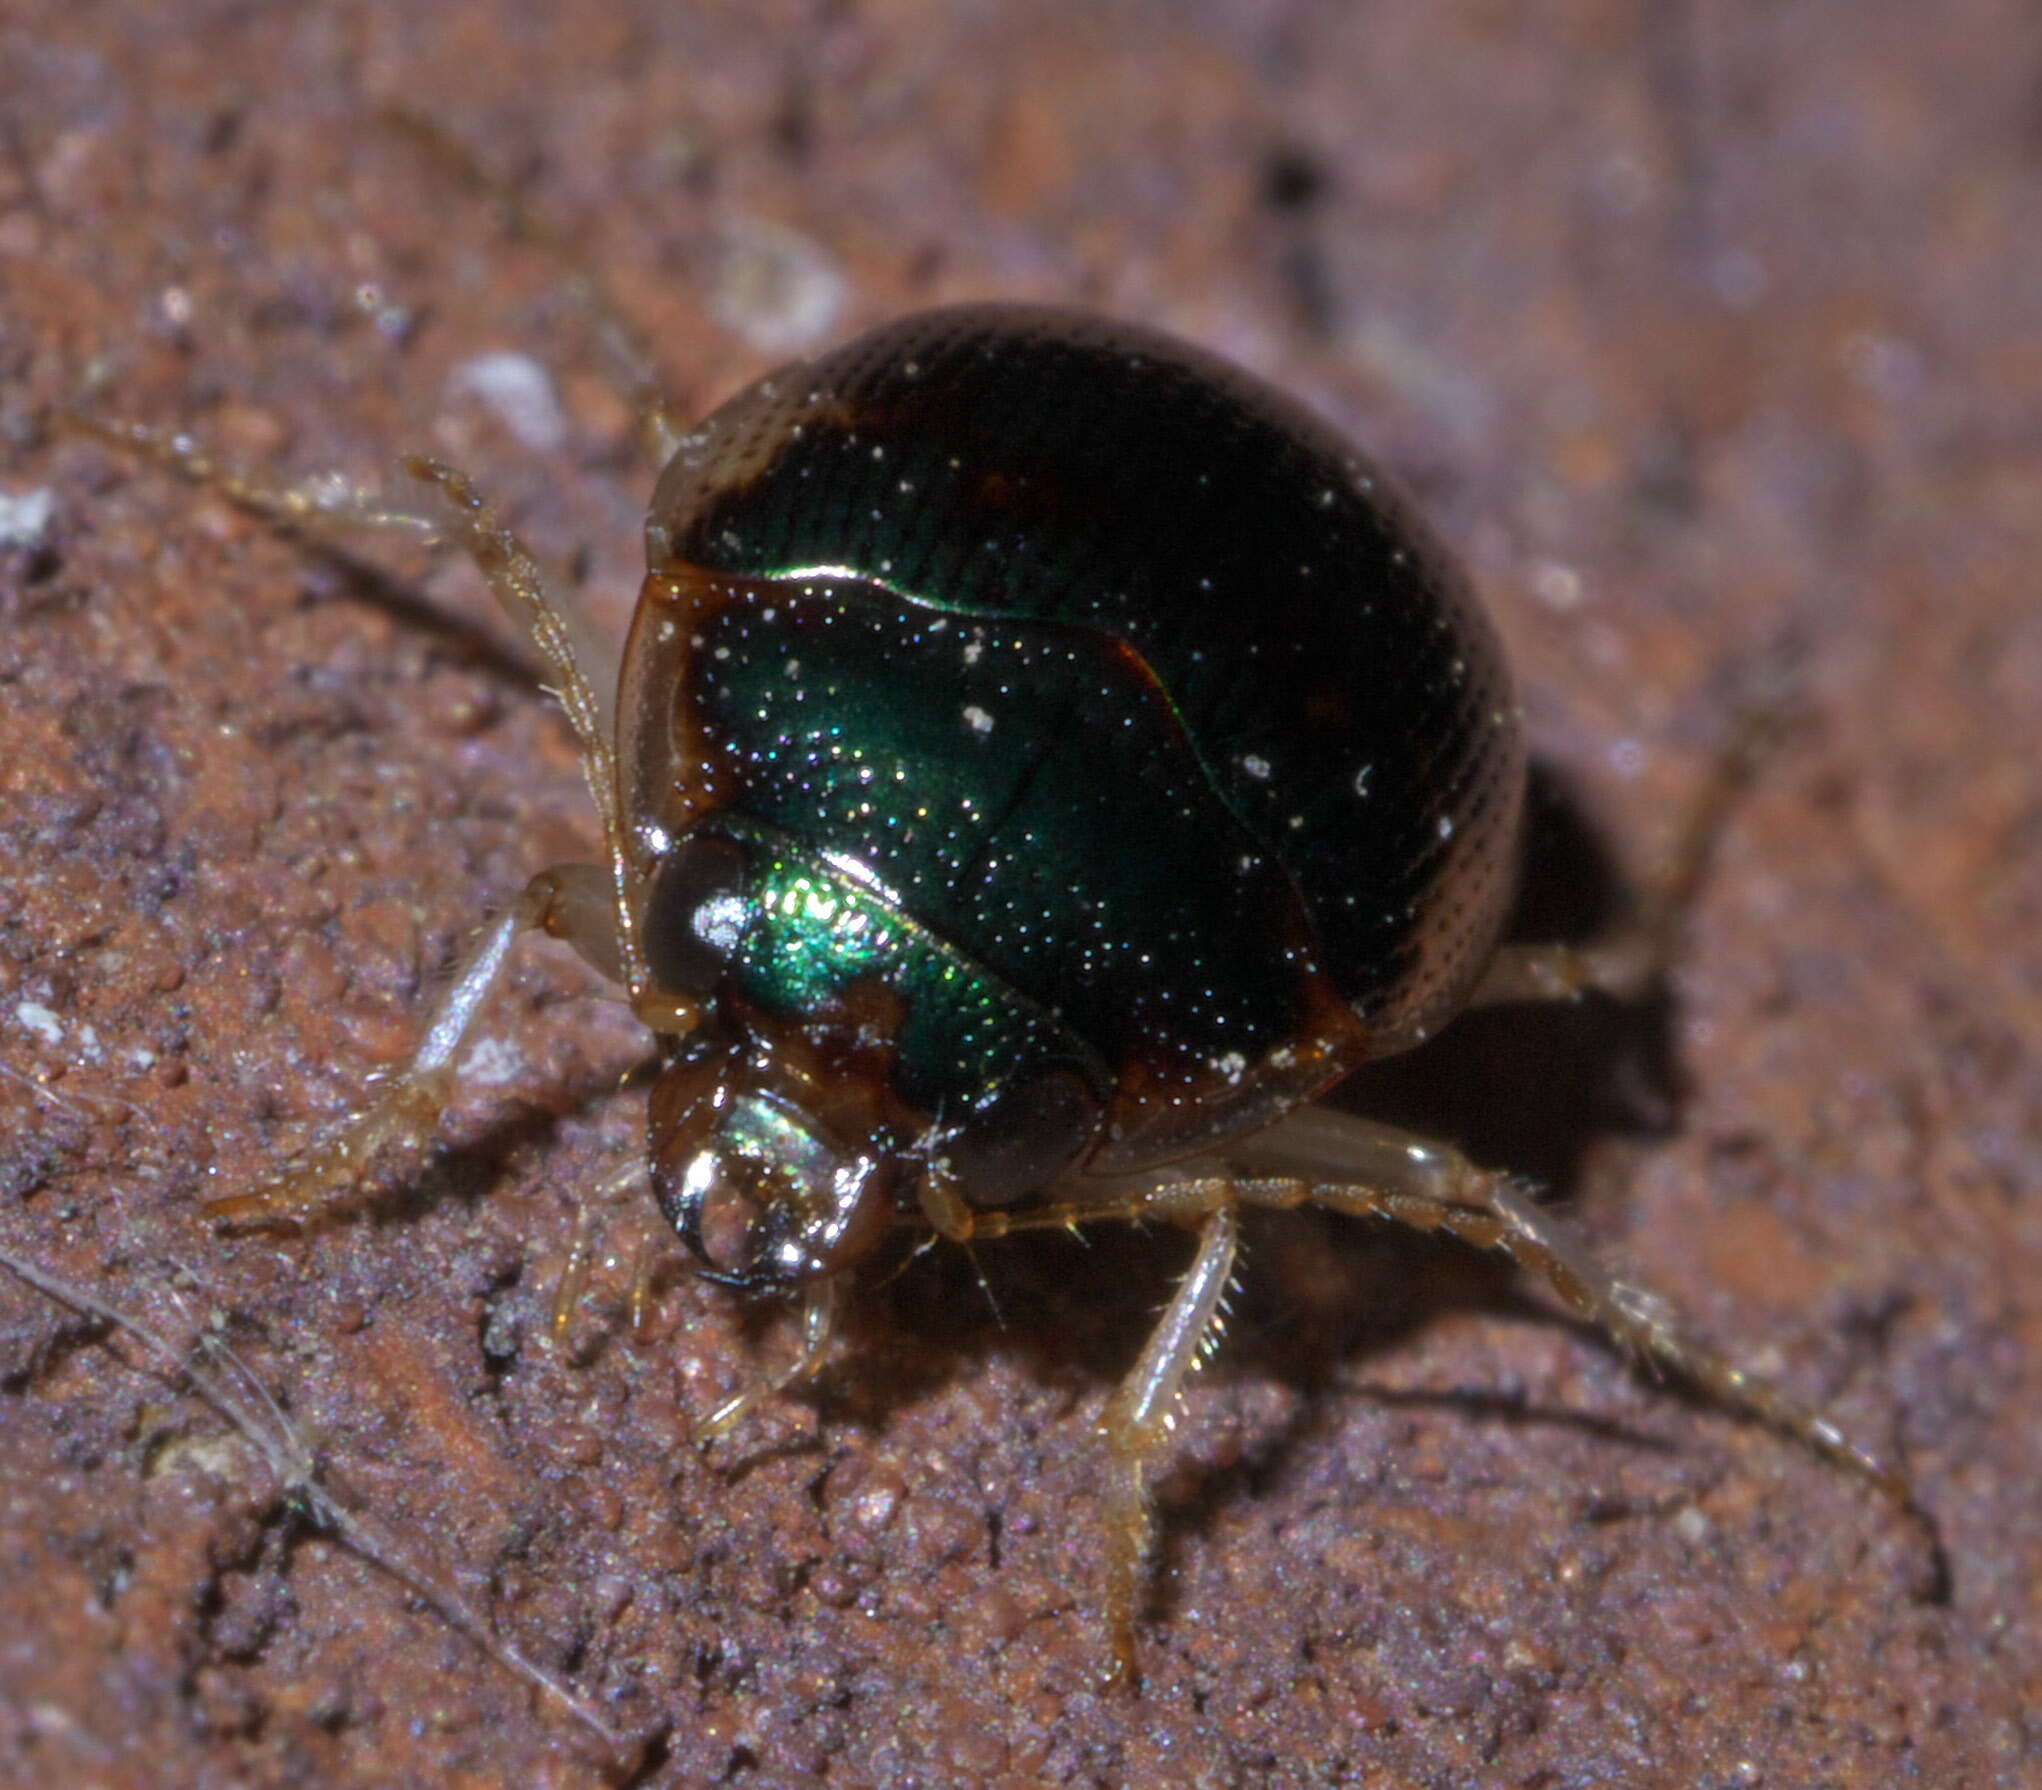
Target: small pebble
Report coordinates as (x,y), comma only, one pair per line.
(520,392)
(777,289)
(25,518)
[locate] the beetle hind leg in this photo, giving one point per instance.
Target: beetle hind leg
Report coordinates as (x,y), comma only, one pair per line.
(1637,959)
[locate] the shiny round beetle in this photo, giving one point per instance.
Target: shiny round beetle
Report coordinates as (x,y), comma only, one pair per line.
(1045,759)
(1049,755)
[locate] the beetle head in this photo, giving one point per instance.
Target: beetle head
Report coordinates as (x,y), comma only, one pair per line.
(763,1192)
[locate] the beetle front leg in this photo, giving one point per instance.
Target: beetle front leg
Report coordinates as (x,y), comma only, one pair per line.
(1139,1416)
(561,635)
(407,1107)
(333,511)
(326,508)
(818,1326)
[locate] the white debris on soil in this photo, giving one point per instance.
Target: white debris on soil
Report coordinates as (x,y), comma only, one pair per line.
(521,393)
(25,517)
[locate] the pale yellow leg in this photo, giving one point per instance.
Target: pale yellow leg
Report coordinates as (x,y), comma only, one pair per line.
(1429,1186)
(406,1107)
(1638,957)
(1143,1410)
(330,510)
(583,1245)
(818,1326)
(1347,1164)
(592,908)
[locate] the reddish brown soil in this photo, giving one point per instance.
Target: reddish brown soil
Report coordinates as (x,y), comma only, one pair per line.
(1699,329)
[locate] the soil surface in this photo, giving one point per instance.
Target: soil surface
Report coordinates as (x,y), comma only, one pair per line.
(1711,336)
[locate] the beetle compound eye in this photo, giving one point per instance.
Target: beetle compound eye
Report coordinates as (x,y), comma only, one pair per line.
(1020,1137)
(695,914)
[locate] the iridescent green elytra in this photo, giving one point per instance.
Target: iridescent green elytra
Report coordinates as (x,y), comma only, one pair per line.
(1108,677)
(812,935)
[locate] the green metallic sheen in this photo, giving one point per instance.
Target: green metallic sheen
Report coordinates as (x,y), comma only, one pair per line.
(1102,882)
(1118,673)
(812,936)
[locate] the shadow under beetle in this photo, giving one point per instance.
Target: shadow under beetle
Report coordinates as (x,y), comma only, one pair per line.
(1045,760)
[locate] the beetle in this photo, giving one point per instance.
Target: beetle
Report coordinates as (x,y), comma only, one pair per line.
(1046,759)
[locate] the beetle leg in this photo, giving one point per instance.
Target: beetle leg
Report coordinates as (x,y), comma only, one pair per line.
(1629,965)
(645,1264)
(573,1281)
(1625,967)
(563,634)
(1379,1171)
(330,509)
(408,1105)
(1318,1157)
(1139,1416)
(818,1325)
(514,576)
(583,1244)
(948,1214)
(1183,1193)
(574,905)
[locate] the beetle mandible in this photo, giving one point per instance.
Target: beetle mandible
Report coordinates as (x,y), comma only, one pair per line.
(1045,760)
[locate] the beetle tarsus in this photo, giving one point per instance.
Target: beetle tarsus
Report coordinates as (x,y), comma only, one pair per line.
(818,1328)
